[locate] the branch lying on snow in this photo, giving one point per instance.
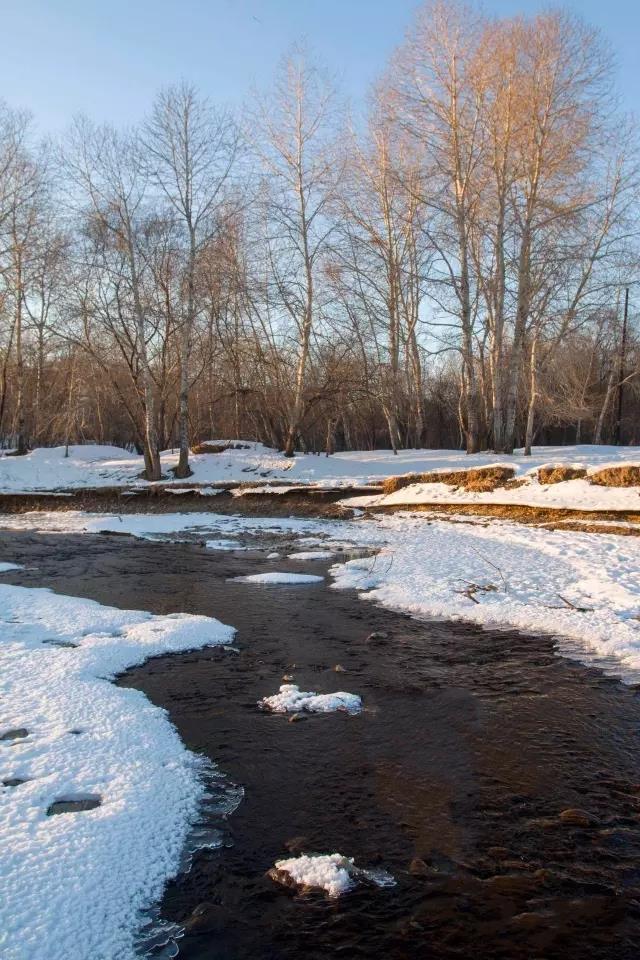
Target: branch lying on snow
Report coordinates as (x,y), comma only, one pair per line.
(473,588)
(491,564)
(572,606)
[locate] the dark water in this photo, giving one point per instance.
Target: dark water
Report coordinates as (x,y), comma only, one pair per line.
(453,779)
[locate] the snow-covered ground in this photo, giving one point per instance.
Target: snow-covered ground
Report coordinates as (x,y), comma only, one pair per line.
(73,884)
(93,465)
(568,495)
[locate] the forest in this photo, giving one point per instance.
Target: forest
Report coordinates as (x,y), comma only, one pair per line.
(452,264)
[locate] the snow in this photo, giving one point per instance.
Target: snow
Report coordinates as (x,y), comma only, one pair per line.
(73,885)
(280,577)
(329,872)
(6,567)
(223,544)
(311,555)
(94,465)
(577,586)
(291,699)
(333,873)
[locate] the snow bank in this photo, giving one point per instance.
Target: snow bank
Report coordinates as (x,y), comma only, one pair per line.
(93,465)
(291,699)
(280,576)
(569,495)
(73,885)
(577,586)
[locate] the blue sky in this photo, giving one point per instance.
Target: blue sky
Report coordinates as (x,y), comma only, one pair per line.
(107,58)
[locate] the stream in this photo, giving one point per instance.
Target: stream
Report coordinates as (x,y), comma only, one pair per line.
(498,782)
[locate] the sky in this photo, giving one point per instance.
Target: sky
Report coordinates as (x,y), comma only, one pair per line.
(107,58)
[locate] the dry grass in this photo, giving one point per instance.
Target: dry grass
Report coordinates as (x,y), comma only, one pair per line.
(208,447)
(477,479)
(559,473)
(626,475)
(537,516)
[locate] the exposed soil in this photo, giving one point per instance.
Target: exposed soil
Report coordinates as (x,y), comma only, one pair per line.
(498,782)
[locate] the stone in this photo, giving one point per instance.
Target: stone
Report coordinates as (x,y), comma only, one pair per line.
(296,844)
(207,917)
(73,805)
(578,818)
(18,734)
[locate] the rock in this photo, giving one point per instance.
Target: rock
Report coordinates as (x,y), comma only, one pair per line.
(72,805)
(511,885)
(498,853)
(207,917)
(532,921)
(297,844)
(339,668)
(578,818)
(18,734)
(377,636)
(297,717)
(419,868)
(13,782)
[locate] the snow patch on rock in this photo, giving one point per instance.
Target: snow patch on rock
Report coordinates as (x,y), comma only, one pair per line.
(291,699)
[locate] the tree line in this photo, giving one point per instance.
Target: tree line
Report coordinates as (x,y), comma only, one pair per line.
(450,268)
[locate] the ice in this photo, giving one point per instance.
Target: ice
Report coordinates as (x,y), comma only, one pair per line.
(311,555)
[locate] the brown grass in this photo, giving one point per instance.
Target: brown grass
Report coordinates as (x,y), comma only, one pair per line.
(559,473)
(623,476)
(477,479)
(208,447)
(549,516)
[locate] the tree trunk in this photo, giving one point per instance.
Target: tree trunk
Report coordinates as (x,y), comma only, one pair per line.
(533,397)
(21,443)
